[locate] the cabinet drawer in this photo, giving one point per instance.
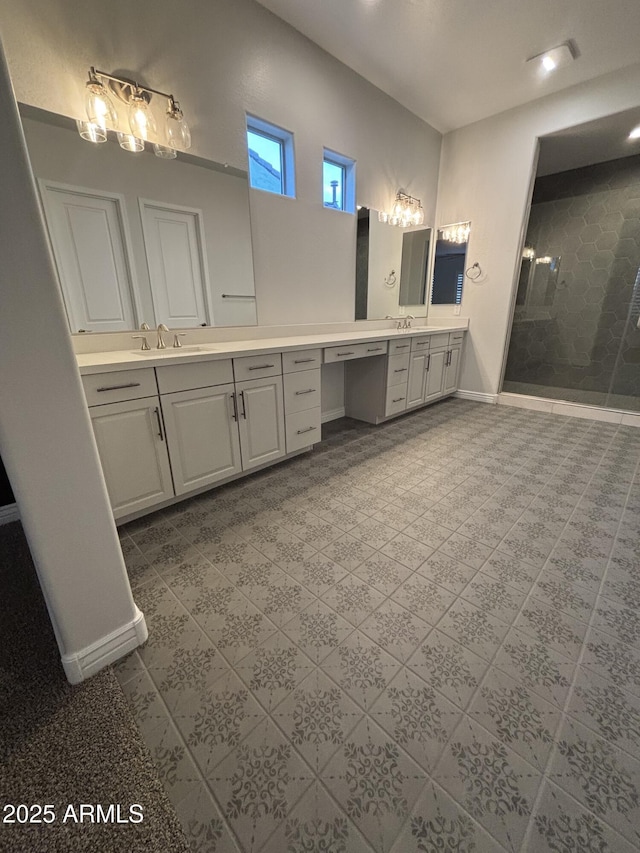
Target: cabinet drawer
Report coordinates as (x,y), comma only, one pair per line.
(440,340)
(305,359)
(301,391)
(421,344)
(201,374)
(350,351)
(398,369)
(120,385)
(401,346)
(257,366)
(376,348)
(456,337)
(396,399)
(303,429)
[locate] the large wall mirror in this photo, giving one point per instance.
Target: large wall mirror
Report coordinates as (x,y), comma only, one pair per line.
(392,268)
(141,239)
(450,264)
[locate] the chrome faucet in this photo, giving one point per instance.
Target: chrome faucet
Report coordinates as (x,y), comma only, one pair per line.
(407,321)
(398,321)
(161,328)
(145,327)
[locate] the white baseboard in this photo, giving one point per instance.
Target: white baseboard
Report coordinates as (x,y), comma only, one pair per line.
(88,661)
(573,410)
(332,415)
(9,513)
(478,396)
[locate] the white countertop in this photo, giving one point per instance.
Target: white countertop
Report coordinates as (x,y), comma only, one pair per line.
(105,362)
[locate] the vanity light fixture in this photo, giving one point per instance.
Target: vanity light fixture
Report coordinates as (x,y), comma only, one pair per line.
(528,253)
(458,233)
(406,211)
(141,122)
(635,133)
(554,58)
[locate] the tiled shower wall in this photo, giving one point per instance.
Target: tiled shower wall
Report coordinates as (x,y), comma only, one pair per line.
(575,330)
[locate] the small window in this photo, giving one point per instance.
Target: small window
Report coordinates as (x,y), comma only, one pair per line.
(271,165)
(338,182)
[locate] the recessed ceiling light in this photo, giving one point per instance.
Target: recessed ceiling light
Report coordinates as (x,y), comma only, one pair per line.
(552,59)
(635,133)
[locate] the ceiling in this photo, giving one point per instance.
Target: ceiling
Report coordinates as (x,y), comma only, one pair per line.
(453,62)
(592,142)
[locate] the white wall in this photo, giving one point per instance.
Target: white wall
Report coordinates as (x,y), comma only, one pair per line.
(220,59)
(485,176)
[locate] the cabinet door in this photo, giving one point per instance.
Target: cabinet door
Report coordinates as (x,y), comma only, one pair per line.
(202,433)
(451,371)
(88,235)
(261,421)
(135,463)
(435,375)
(416,383)
(174,245)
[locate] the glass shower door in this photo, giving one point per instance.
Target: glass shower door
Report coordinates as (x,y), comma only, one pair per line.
(624,390)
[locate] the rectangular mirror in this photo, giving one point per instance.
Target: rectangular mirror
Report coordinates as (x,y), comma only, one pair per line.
(392,266)
(450,264)
(137,238)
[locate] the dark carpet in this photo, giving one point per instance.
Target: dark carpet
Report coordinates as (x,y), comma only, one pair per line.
(64,745)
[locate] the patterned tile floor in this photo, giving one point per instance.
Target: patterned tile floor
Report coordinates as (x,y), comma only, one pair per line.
(423,636)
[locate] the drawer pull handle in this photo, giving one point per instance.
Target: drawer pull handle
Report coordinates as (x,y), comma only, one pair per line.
(346,353)
(118,387)
(303,360)
(428,364)
(375,349)
(308,429)
(397,400)
(401,346)
(400,369)
(244,406)
(237,296)
(234,413)
(160,433)
(261,366)
(422,343)
(308,391)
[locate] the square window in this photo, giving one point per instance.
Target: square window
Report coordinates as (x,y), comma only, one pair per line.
(338,182)
(271,164)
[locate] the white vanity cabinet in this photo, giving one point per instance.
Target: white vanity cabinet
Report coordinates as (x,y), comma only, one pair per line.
(217,428)
(178,428)
(129,431)
(418,370)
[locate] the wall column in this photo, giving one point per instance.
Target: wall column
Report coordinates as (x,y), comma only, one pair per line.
(46,440)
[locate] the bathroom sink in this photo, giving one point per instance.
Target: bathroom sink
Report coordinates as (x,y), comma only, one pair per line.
(185,349)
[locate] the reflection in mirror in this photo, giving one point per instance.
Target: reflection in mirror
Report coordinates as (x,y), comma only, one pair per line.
(449,265)
(140,239)
(391,268)
(415,262)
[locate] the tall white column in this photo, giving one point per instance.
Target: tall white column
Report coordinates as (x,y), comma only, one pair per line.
(46,440)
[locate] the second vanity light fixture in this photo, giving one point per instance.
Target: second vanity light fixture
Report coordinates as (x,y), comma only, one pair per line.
(142,128)
(458,233)
(406,211)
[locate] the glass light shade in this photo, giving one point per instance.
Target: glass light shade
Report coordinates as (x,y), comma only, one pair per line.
(141,120)
(178,133)
(164,152)
(129,142)
(90,131)
(100,109)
